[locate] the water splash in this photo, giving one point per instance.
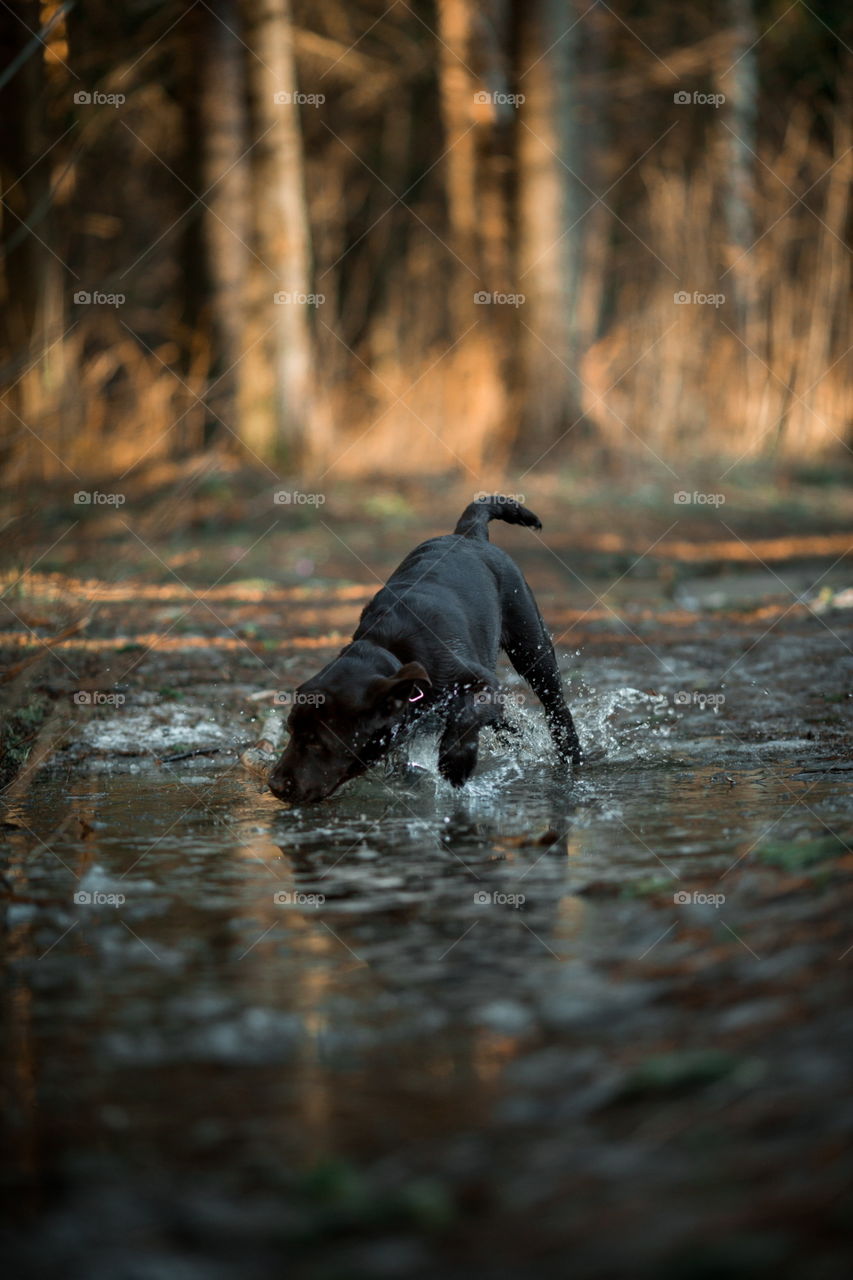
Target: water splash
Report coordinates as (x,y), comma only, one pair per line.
(613,725)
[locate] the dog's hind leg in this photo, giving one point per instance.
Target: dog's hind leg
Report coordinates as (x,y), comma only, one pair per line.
(528,646)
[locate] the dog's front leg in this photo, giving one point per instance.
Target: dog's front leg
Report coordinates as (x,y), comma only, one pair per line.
(457,750)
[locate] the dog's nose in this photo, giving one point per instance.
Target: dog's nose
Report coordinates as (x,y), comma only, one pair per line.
(281,787)
(285,788)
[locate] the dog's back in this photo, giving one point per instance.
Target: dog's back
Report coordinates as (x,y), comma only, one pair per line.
(452,585)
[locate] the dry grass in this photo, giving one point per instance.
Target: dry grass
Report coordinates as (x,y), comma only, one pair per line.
(700,379)
(421,391)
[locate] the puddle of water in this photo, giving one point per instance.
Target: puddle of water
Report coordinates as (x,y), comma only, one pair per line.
(139,730)
(205,980)
(179,854)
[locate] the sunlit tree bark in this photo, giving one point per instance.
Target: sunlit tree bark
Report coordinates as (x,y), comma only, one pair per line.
(277,412)
(739,119)
(457,102)
(549,208)
(227,214)
(33,275)
(471,74)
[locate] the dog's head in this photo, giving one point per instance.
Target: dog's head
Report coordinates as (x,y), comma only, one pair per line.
(339,728)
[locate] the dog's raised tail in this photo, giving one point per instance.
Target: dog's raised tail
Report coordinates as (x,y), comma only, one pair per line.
(474,521)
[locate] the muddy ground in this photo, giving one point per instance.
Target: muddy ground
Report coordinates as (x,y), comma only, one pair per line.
(598,1026)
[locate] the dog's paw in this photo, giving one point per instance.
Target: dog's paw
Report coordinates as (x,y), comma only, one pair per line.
(570,754)
(457,766)
(506,733)
(568,744)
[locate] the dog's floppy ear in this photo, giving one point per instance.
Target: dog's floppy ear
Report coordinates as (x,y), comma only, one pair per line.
(406,686)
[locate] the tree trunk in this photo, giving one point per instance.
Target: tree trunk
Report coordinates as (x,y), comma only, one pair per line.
(460,160)
(225,179)
(278,412)
(593,233)
(739,83)
(470,74)
(32,275)
(549,206)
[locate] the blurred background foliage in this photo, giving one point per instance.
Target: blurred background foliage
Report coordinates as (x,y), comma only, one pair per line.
(170,169)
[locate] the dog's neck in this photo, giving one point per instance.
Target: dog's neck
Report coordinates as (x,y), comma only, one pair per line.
(379,659)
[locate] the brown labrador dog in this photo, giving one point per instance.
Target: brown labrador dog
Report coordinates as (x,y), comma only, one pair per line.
(428,641)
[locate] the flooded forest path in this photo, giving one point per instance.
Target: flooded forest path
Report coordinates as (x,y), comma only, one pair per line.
(413,1031)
